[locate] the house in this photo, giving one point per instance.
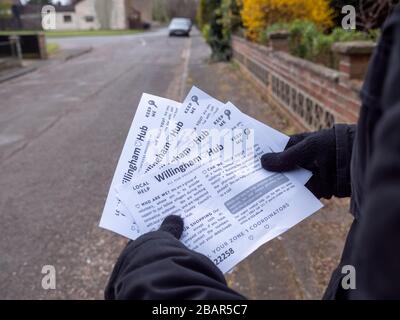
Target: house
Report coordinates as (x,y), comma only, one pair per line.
(90,15)
(109,14)
(78,16)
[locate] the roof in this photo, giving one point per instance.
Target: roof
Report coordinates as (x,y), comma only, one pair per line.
(37,8)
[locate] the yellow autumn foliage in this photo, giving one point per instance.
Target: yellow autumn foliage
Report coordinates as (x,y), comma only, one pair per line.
(258,14)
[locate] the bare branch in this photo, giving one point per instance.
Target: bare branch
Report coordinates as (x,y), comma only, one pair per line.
(372,11)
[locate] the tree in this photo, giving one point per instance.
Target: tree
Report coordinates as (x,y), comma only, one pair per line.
(5,9)
(337,6)
(370,13)
(258,14)
(210,21)
(231,19)
(204,12)
(373,13)
(164,10)
(159,11)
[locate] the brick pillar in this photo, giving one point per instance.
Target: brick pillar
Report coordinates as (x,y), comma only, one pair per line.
(279,40)
(353,58)
(41,38)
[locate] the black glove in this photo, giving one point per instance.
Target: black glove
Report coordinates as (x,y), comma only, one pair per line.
(173,225)
(318,152)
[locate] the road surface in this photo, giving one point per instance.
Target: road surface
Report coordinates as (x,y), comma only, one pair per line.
(62,129)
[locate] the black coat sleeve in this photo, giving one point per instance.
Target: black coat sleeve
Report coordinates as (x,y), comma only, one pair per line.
(157,267)
(344,147)
(375,250)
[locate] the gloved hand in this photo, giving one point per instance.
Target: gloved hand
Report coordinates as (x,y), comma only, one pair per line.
(314,151)
(173,225)
(158,266)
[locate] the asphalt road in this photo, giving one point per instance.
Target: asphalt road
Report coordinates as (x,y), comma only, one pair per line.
(62,129)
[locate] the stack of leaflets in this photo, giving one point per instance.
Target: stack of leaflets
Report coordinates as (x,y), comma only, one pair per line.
(200,159)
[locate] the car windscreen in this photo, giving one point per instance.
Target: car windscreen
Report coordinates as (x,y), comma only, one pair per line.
(179,24)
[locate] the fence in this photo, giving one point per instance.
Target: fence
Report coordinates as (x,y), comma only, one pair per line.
(312,95)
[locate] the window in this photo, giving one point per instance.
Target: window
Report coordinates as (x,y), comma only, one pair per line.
(67,18)
(89,18)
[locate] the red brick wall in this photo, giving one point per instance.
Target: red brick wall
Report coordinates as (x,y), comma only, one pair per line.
(312,95)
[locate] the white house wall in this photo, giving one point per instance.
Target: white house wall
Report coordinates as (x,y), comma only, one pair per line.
(118,15)
(61,25)
(110,13)
(84,9)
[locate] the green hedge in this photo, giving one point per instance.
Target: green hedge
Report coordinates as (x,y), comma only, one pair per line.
(217,19)
(5,9)
(308,42)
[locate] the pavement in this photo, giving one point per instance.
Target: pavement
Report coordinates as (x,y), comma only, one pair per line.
(15,72)
(62,128)
(28,66)
(298,264)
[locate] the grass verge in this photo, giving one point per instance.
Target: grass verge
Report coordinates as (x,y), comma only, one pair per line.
(52,48)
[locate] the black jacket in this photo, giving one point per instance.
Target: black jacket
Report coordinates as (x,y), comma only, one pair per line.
(374,237)
(157,266)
